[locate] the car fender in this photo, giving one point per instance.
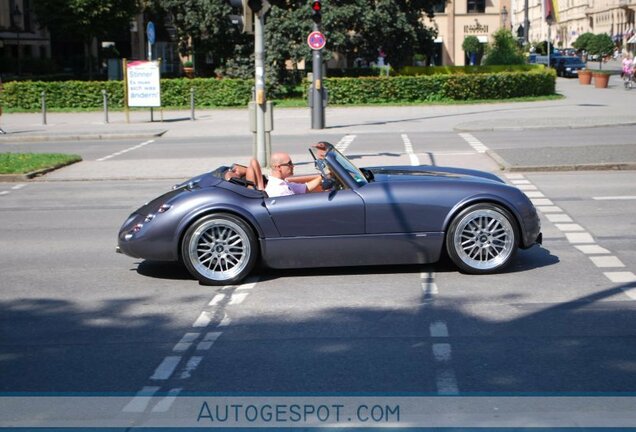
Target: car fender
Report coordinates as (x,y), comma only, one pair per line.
(480,198)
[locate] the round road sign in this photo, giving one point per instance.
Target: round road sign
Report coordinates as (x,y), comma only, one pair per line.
(316,40)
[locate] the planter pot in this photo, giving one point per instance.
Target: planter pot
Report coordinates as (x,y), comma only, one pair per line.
(585,77)
(601,80)
(189,72)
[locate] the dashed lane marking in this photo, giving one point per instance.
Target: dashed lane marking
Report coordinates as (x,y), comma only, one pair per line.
(408,148)
(477,145)
(190,366)
(166,368)
(203,320)
(208,341)
(345,142)
(119,153)
(164,404)
(140,401)
(4,192)
(185,342)
(579,238)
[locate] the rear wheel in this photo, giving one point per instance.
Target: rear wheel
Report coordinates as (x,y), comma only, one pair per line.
(219,249)
(482,239)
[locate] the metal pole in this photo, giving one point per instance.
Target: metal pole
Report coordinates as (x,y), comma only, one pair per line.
(549,47)
(526,22)
(191,103)
(105,98)
(259,63)
(317,107)
(43,94)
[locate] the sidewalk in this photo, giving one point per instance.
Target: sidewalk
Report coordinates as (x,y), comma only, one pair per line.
(581,107)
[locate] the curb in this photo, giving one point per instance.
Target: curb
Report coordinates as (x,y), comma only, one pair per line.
(81,137)
(534,127)
(609,166)
(12,178)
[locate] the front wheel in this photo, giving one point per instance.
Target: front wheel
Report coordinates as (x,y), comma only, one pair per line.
(482,239)
(219,249)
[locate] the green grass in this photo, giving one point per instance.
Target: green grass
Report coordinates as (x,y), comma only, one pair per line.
(22,163)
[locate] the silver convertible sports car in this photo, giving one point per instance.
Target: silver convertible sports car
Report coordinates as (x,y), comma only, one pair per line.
(361,216)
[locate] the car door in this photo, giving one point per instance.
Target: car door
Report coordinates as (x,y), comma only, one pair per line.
(320,229)
(317,214)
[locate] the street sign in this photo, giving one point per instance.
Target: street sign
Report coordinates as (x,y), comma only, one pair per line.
(150,32)
(316,40)
(143,80)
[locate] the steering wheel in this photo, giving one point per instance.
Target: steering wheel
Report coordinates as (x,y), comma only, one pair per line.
(328,182)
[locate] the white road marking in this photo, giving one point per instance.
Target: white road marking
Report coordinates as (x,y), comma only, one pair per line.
(345,142)
(549,209)
(526,187)
(125,151)
(185,342)
(541,201)
(442,352)
(446,382)
(621,277)
(568,227)
(606,261)
(190,366)
(203,320)
(592,249)
(208,341)
(520,182)
(615,198)
(141,400)
(216,299)
(534,194)
(474,143)
(164,404)
(18,186)
(237,298)
(579,237)
(438,329)
(225,321)
(4,192)
(408,148)
(166,368)
(429,287)
(247,286)
(558,218)
(515,176)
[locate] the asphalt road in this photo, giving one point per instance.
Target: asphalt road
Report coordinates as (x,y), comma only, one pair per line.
(76,317)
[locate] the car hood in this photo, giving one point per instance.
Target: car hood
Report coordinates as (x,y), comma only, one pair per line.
(428,173)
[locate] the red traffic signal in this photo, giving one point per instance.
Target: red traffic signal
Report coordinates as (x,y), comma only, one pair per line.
(316,6)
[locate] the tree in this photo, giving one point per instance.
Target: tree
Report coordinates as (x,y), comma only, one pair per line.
(472,46)
(601,45)
(582,42)
(503,50)
(85,19)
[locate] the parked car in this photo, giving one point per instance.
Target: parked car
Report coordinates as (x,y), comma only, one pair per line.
(363,216)
(569,66)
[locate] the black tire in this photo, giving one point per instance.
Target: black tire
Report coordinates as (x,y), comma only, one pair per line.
(482,239)
(219,249)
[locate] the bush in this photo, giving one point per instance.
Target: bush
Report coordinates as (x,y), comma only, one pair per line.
(504,50)
(495,82)
(538,82)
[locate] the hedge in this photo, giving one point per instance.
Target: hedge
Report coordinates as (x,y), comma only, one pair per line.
(26,95)
(209,92)
(505,85)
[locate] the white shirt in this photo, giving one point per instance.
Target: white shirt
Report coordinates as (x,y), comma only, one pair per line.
(277,187)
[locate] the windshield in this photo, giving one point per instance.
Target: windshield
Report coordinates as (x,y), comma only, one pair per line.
(351,169)
(572,60)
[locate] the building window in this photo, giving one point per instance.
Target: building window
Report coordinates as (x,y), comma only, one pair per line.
(476,6)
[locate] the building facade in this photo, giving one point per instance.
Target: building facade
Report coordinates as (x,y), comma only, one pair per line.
(22,41)
(462,18)
(575,17)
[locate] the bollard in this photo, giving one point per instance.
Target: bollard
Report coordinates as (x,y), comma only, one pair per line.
(105,97)
(191,103)
(43,94)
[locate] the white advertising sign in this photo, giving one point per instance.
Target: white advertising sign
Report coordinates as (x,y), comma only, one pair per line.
(144,89)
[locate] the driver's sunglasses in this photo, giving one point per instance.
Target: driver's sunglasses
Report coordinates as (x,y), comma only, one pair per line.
(288,164)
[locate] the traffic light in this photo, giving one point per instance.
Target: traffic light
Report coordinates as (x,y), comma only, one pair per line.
(244,21)
(316,9)
(247,9)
